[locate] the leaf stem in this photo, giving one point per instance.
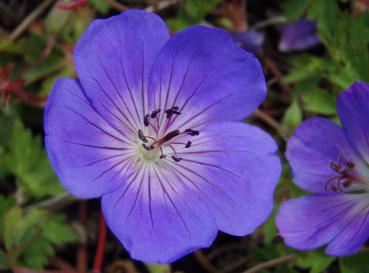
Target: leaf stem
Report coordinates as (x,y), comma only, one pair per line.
(271,263)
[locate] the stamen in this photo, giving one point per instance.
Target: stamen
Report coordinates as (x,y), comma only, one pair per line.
(169,136)
(351,164)
(147,120)
(172,111)
(175,110)
(148,148)
(188,144)
(141,136)
(155,113)
(192,132)
(345,177)
(162,156)
(336,167)
(176,159)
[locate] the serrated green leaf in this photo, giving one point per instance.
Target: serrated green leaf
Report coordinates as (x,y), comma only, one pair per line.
(355,264)
(317,261)
(320,102)
(329,18)
(5,205)
(28,162)
(37,253)
(12,222)
(56,231)
(30,237)
(344,78)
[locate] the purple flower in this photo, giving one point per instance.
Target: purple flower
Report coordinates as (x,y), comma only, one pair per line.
(299,35)
(332,163)
(250,40)
(153,125)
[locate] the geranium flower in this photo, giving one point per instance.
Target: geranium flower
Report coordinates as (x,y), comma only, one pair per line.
(299,35)
(153,125)
(332,163)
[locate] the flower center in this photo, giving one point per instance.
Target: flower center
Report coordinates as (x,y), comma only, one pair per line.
(149,155)
(346,176)
(157,140)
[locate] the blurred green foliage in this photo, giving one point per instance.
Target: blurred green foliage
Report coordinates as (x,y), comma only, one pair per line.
(29,237)
(191,12)
(27,160)
(318,79)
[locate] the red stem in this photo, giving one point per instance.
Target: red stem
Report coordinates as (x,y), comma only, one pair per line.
(82,251)
(99,256)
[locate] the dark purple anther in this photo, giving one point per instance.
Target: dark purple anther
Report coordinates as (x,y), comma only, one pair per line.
(172,111)
(147,120)
(188,144)
(176,159)
(155,113)
(142,136)
(192,132)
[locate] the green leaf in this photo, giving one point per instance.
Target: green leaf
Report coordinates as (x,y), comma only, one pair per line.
(294,9)
(31,237)
(37,253)
(191,12)
(52,64)
(199,9)
(306,67)
(12,223)
(269,227)
(329,19)
(48,83)
(344,78)
(57,19)
(320,102)
(317,261)
(100,5)
(3,261)
(5,205)
(28,162)
(158,268)
(56,231)
(355,264)
(293,115)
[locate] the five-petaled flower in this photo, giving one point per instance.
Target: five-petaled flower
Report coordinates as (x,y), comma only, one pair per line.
(154,125)
(332,162)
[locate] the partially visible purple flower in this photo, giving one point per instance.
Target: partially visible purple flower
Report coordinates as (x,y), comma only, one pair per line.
(299,35)
(332,162)
(154,126)
(250,40)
